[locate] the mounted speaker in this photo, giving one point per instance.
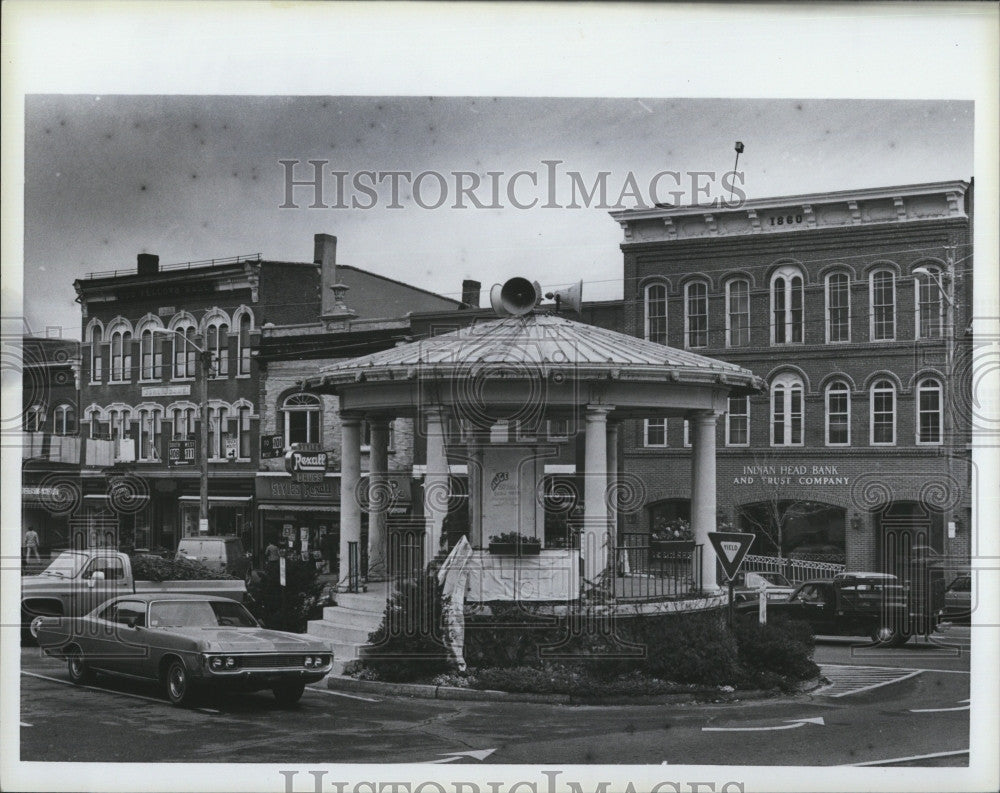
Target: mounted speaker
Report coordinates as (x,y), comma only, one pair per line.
(571,297)
(516,297)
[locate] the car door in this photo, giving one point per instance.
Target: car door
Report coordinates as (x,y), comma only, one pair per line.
(102,579)
(808,603)
(132,647)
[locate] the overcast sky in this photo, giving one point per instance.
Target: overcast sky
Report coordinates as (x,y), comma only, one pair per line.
(196,177)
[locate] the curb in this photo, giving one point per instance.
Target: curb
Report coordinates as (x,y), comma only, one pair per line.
(453,693)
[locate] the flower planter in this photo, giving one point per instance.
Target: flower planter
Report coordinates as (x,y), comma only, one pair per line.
(515,549)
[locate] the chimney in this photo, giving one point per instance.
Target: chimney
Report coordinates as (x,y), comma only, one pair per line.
(325,258)
(147,264)
(470,293)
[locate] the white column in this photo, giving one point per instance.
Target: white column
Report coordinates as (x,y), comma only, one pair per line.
(612,458)
(378,501)
(350,474)
(594,540)
(703,487)
(435,483)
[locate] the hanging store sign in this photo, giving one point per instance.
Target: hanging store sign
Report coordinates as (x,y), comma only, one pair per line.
(306,462)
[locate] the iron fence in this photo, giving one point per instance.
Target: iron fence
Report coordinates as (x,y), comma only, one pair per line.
(795,570)
(649,570)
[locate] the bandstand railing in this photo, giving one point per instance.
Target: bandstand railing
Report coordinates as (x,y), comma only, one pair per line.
(646,569)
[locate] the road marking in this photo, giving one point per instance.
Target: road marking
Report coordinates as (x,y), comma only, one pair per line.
(478,754)
(846,680)
(940,710)
(957,753)
(111,691)
(797,723)
(25,724)
(340,694)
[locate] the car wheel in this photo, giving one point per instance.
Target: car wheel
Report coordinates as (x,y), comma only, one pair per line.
(79,672)
(288,694)
(180,691)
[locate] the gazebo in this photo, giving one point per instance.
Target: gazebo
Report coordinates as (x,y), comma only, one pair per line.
(499,382)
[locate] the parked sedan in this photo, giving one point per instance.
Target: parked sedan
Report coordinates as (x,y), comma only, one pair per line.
(958,600)
(185,642)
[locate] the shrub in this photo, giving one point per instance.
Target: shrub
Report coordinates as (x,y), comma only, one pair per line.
(156,568)
(408,644)
(509,635)
(285,608)
(775,655)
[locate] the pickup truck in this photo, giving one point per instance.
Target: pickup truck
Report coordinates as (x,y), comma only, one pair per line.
(876,605)
(76,582)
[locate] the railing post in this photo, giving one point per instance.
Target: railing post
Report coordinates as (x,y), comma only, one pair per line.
(353,567)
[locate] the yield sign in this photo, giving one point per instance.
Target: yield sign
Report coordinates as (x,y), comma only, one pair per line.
(731,547)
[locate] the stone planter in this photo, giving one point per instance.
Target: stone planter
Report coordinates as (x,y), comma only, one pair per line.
(515,549)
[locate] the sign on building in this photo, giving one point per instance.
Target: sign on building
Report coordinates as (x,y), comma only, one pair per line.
(272,446)
(306,462)
(181,452)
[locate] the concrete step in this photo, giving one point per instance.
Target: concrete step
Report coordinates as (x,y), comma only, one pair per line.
(370,601)
(340,633)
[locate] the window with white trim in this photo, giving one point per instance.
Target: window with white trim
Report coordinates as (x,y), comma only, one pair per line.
(882,294)
(737,312)
(302,418)
(217,343)
(150,433)
(738,421)
(185,362)
(118,423)
(656,313)
(654,432)
(95,354)
(696,314)
(183,419)
(92,416)
(243,343)
(150,356)
(786,305)
(838,307)
(121,355)
(34,418)
(64,420)
(245,411)
(883,413)
(838,414)
(786,410)
(218,415)
(929,411)
(930,305)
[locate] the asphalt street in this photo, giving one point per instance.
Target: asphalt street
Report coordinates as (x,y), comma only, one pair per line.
(864,717)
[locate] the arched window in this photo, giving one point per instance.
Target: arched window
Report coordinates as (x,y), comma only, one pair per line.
(883,413)
(217,342)
(302,418)
(838,307)
(150,355)
(121,355)
(882,293)
(696,314)
(184,352)
(34,418)
(738,422)
(930,305)
(244,411)
(838,414)
(929,411)
(786,305)
(656,313)
(218,416)
(737,313)
(183,416)
(150,432)
(118,422)
(64,420)
(94,417)
(243,342)
(96,370)
(786,410)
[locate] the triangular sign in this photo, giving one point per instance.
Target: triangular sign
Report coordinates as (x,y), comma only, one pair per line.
(731,547)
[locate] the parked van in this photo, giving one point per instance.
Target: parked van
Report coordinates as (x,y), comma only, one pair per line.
(224,554)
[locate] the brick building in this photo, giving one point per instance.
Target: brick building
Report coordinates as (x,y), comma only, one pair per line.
(140,389)
(854,306)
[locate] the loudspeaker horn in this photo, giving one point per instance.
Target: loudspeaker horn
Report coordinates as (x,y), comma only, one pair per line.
(516,297)
(571,297)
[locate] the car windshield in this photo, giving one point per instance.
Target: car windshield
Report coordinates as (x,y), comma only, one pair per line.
(199,614)
(66,565)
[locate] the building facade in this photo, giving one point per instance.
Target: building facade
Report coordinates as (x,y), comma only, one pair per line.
(854,307)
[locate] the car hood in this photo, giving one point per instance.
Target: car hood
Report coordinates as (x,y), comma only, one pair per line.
(251,640)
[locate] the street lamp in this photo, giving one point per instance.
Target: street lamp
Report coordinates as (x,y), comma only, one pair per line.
(205,361)
(939,280)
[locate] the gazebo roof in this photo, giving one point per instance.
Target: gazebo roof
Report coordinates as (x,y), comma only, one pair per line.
(533,345)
